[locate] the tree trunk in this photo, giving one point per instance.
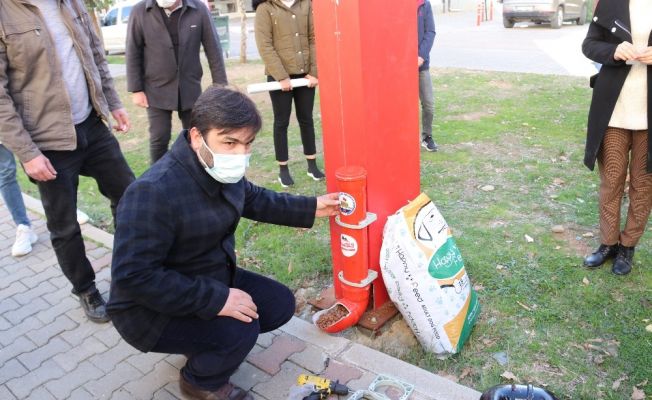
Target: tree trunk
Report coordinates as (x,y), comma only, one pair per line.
(243,32)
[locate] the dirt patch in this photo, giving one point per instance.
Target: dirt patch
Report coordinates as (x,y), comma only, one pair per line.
(472,116)
(395,339)
(503,85)
(572,237)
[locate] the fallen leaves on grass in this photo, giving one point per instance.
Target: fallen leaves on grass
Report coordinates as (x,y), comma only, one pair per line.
(526,307)
(558,181)
(466,372)
(290,267)
(618,381)
(585,281)
(638,394)
(509,376)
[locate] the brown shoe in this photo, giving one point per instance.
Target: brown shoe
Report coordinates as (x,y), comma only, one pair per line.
(225,392)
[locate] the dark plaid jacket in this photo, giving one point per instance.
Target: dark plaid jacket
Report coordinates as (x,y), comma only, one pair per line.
(174,249)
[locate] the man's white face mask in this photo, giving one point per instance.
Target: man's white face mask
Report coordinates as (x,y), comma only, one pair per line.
(165,3)
(227,168)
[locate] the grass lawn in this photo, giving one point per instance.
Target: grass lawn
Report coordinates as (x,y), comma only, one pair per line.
(549,321)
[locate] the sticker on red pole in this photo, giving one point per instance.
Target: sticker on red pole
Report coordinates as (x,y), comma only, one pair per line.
(347,203)
(349,245)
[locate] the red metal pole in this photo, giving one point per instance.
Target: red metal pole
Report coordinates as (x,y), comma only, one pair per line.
(368,88)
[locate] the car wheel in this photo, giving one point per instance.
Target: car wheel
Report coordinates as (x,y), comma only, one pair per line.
(582,19)
(557,19)
(508,23)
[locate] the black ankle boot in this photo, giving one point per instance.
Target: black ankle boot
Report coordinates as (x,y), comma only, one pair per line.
(284,176)
(623,262)
(602,254)
(313,170)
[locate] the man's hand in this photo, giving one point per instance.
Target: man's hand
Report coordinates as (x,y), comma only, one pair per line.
(645,56)
(328,205)
(40,169)
(122,118)
(286,85)
(625,51)
(140,99)
(312,81)
(421,61)
(240,306)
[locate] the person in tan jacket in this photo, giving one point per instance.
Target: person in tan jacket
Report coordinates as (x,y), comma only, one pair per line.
(286,42)
(56,101)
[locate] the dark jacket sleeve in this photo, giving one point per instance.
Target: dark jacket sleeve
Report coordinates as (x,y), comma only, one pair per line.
(145,233)
(278,208)
(425,46)
(212,48)
(598,48)
(134,52)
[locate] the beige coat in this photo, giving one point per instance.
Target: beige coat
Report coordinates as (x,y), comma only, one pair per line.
(35,111)
(286,38)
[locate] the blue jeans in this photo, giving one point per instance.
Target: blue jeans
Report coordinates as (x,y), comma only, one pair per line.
(427,103)
(98,156)
(216,347)
(10,189)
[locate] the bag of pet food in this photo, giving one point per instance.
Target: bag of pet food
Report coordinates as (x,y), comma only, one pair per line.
(425,277)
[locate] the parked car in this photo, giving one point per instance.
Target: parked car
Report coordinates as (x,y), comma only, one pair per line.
(114,26)
(554,12)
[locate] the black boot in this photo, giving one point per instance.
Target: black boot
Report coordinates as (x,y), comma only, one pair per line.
(284,176)
(602,254)
(623,262)
(313,170)
(94,305)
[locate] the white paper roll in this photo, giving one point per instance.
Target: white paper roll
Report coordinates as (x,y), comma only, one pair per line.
(269,86)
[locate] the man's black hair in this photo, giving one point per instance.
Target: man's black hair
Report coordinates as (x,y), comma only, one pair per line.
(224,109)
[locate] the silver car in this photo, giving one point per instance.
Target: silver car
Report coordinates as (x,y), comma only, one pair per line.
(554,12)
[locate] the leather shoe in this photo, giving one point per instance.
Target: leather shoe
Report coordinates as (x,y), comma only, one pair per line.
(623,262)
(602,254)
(224,392)
(94,305)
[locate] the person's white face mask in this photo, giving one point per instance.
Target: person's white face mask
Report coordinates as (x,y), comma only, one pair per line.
(227,168)
(165,3)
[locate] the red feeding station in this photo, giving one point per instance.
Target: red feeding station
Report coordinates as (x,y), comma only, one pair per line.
(368,85)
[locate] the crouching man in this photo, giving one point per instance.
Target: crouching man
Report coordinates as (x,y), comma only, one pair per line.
(175,284)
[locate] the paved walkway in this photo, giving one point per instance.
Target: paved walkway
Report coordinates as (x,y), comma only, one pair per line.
(48,350)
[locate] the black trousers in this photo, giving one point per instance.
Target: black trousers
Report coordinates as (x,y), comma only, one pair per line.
(215,348)
(304,100)
(160,130)
(98,156)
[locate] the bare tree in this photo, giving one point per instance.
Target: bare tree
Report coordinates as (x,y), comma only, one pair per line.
(243,31)
(92,6)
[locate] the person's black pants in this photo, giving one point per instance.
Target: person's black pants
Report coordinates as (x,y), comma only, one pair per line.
(160,130)
(98,156)
(215,348)
(304,100)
